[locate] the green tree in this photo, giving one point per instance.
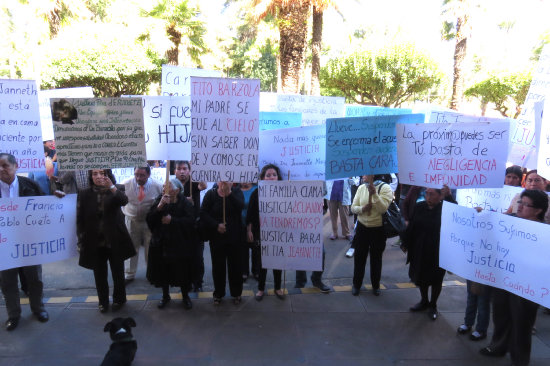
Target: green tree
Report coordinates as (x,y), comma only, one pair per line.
(386,78)
(182,27)
(100,56)
(506,92)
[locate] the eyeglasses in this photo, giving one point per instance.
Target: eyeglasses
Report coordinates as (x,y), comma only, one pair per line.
(524,204)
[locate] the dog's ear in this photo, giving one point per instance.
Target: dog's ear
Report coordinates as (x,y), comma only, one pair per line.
(108,326)
(130,322)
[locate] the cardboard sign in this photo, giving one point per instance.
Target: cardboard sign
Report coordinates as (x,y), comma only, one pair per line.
(497,250)
(299,151)
(167,122)
(315,110)
(363,145)
(291,223)
(176,80)
(277,120)
(225,125)
(489,199)
(45,108)
(460,155)
(123,174)
(37,230)
(98,133)
(373,111)
(522,133)
(20,133)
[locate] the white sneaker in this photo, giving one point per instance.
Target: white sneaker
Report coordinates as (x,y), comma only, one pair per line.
(350,252)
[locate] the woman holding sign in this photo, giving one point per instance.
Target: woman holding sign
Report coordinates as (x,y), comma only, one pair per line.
(221,214)
(421,242)
(268,172)
(532,181)
(102,235)
(514,316)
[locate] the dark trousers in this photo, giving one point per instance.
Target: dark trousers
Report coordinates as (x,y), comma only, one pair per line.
(198,267)
(100,276)
(301,277)
(226,257)
(373,240)
(513,317)
(10,289)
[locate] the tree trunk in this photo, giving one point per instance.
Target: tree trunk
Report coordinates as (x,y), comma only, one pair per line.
(293,32)
(316,44)
(172,55)
(459,61)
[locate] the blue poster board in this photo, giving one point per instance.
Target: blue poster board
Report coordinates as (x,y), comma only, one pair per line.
(276,120)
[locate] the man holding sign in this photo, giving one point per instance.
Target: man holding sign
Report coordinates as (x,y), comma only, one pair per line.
(16,186)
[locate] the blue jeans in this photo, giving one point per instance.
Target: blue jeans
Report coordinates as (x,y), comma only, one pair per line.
(480,304)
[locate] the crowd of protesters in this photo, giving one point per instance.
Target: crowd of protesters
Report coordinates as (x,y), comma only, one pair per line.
(115,220)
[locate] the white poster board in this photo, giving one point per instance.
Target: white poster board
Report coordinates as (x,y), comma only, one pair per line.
(497,250)
(45,109)
(225,116)
(460,155)
(489,199)
(300,151)
(314,109)
(37,230)
(20,133)
(167,122)
(176,80)
(98,133)
(522,133)
(123,174)
(543,163)
(291,223)
(455,117)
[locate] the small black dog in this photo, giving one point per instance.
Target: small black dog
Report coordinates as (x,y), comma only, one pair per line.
(124,347)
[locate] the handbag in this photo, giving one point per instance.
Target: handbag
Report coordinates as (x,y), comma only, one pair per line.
(392,220)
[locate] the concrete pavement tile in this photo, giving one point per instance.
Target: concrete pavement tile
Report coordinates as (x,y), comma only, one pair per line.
(9,361)
(268,304)
(351,362)
(452,298)
(339,335)
(256,362)
(445,362)
(333,302)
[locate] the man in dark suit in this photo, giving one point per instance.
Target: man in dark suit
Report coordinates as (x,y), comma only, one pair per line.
(12,185)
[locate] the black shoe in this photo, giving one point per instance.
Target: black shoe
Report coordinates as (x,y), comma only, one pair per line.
(355,291)
(163,302)
(42,316)
(322,287)
(463,329)
(187,304)
(280,296)
(488,351)
(477,336)
(12,323)
(432,313)
(103,308)
(237,300)
(117,305)
(421,306)
(376,291)
(258,296)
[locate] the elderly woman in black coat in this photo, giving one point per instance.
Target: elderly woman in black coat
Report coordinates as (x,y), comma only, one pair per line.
(102,235)
(421,241)
(173,245)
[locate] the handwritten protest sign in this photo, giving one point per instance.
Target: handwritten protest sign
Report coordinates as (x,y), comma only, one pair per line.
(176,80)
(277,120)
(20,133)
(45,108)
(300,151)
(497,250)
(291,224)
(225,125)
(363,145)
(522,133)
(543,163)
(455,117)
(37,230)
(98,133)
(489,199)
(167,122)
(372,111)
(460,155)
(123,174)
(315,110)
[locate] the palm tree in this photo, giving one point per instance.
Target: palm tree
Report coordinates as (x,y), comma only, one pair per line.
(319,6)
(292,17)
(181,27)
(462,29)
